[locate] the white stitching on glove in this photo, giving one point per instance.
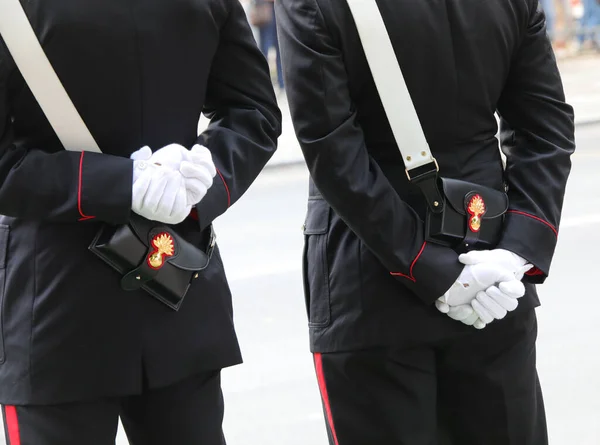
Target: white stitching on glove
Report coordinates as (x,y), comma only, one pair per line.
(158,192)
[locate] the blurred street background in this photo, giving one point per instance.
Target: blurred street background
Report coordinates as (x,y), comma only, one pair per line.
(273,398)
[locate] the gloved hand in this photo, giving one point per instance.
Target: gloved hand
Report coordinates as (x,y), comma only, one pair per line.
(158,192)
(463,313)
(502,257)
(475,278)
(196,166)
(456,302)
(496,301)
(198,173)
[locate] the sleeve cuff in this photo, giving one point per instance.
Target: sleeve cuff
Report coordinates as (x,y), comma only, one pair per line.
(215,203)
(432,272)
(532,238)
(104,188)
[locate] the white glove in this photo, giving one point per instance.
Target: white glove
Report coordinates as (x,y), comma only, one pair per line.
(463,313)
(198,173)
(475,278)
(497,301)
(456,302)
(502,257)
(158,192)
(196,166)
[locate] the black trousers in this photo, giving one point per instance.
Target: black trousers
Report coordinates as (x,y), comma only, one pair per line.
(187,413)
(479,389)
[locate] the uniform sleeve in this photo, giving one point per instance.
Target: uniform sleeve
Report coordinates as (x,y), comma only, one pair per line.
(245,120)
(62,186)
(537,136)
(333,145)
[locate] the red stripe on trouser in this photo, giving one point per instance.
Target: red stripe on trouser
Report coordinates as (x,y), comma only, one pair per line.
(324,395)
(12,425)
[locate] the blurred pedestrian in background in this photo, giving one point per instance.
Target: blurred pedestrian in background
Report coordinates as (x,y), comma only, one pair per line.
(590,25)
(550,11)
(262,16)
(573,26)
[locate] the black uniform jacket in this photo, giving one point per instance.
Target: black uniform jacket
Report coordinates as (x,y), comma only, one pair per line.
(370,278)
(140,72)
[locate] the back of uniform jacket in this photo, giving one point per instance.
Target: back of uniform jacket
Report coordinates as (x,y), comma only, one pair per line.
(370,277)
(140,73)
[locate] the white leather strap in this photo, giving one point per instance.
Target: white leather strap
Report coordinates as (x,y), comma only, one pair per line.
(390,84)
(37,71)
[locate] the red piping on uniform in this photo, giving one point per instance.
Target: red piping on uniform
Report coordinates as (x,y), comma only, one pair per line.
(411,277)
(226,188)
(194,214)
(84,217)
(536,218)
(534,272)
(324,395)
(12,425)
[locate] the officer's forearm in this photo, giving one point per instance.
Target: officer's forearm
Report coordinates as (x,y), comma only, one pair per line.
(65,186)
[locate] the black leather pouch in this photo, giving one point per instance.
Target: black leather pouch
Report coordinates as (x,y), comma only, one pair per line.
(153,257)
(472,216)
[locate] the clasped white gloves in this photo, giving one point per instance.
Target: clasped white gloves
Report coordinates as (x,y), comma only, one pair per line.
(488,287)
(195,165)
(498,300)
(168,183)
(456,302)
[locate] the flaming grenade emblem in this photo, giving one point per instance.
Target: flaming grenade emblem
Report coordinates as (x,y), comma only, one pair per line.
(476,209)
(165,247)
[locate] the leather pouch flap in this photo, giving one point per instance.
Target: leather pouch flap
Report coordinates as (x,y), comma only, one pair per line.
(317,217)
(185,256)
(460,193)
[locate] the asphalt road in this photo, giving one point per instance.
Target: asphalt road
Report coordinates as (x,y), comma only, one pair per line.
(273,398)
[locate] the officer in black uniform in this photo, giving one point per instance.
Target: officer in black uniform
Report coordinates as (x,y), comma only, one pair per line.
(76,351)
(391,367)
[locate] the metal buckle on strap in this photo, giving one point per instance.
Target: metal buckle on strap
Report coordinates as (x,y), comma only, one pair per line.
(426,173)
(426,179)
